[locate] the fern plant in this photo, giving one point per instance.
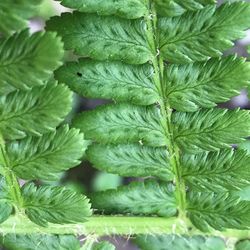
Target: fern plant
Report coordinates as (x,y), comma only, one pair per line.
(161,63)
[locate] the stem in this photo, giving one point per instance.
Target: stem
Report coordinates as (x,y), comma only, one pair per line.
(166,110)
(118,225)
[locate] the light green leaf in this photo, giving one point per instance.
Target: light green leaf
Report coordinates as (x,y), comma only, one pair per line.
(110,80)
(33,112)
(47,156)
(54,204)
(218,210)
(243,245)
(181,39)
(210,129)
(39,242)
(176,242)
(28,60)
(124,8)
(191,86)
(13,14)
(145,198)
(217,171)
(131,160)
(103,38)
(178,7)
(123,123)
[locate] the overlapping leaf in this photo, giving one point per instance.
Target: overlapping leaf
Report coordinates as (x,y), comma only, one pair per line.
(33,112)
(28,60)
(242,245)
(13,14)
(110,80)
(103,38)
(54,204)
(39,242)
(47,156)
(210,129)
(122,123)
(149,197)
(175,242)
(131,160)
(182,38)
(217,171)
(218,210)
(191,86)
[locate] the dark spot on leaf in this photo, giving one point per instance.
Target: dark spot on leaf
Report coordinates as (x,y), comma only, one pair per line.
(79,74)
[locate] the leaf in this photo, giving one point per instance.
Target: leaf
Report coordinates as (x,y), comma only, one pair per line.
(103,38)
(210,129)
(176,242)
(47,156)
(217,171)
(124,8)
(131,160)
(28,60)
(191,86)
(110,80)
(242,245)
(103,245)
(181,39)
(54,204)
(123,123)
(39,242)
(33,112)
(13,14)
(178,7)
(142,198)
(218,210)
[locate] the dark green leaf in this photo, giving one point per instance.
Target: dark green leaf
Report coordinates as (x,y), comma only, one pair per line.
(54,204)
(149,198)
(47,156)
(110,80)
(122,123)
(243,245)
(131,160)
(33,112)
(103,38)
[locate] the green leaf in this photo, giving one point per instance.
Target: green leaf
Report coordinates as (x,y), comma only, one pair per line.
(110,80)
(131,160)
(178,7)
(124,8)
(13,14)
(28,60)
(39,242)
(217,171)
(47,156)
(103,245)
(218,210)
(197,36)
(176,242)
(54,204)
(210,129)
(33,112)
(103,38)
(191,86)
(142,198)
(243,245)
(123,123)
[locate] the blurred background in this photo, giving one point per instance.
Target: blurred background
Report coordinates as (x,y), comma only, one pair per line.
(85,178)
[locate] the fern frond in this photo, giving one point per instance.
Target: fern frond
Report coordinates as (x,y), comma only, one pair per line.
(131,160)
(103,38)
(32,157)
(181,39)
(28,60)
(5,202)
(39,242)
(33,112)
(176,242)
(210,129)
(54,204)
(123,123)
(149,197)
(218,210)
(217,171)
